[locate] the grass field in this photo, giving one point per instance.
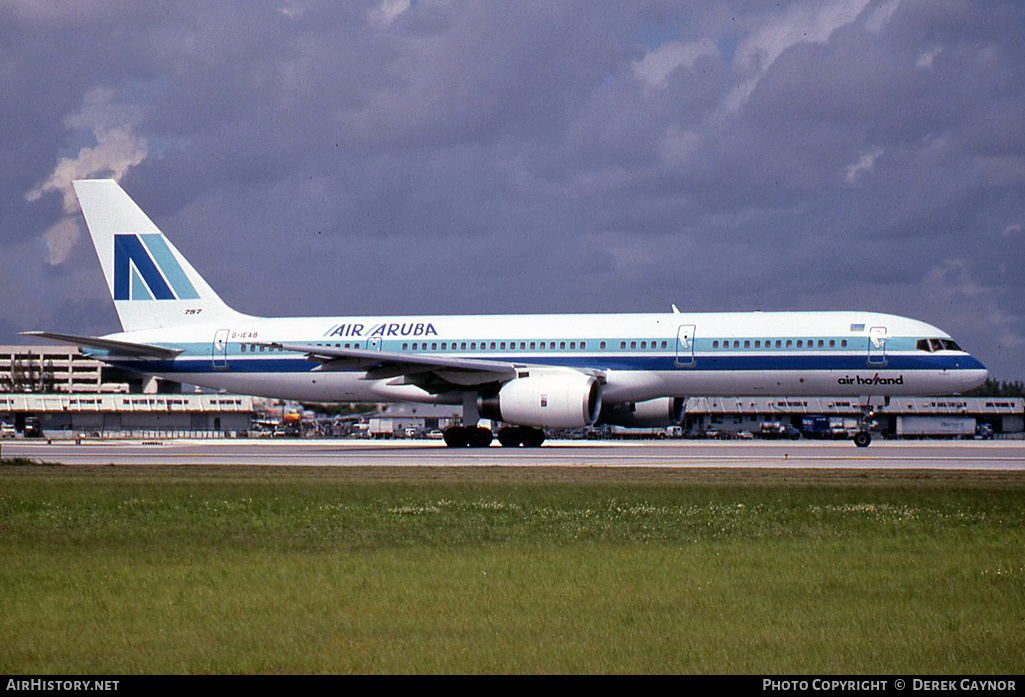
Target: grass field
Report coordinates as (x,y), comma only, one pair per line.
(246,570)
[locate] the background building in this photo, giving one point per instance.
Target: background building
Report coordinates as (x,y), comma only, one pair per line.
(68,394)
(898,416)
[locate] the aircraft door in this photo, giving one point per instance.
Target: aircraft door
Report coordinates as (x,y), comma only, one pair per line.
(877,346)
(219,350)
(685,345)
(374,343)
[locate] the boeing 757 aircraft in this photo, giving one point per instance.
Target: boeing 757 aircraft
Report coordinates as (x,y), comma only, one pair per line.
(529,372)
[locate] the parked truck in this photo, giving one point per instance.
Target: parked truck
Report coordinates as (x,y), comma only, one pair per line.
(831,427)
(938,426)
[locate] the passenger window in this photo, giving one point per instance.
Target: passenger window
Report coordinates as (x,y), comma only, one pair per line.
(405,347)
(601,345)
(622,344)
(562,344)
(583,345)
(633,344)
(747,343)
(572,344)
(715,344)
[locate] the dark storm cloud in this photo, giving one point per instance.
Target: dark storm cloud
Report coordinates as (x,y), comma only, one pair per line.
(318,157)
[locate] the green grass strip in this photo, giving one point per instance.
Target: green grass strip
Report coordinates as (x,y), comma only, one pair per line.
(278,570)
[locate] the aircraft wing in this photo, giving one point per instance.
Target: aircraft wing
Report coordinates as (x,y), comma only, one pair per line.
(415,368)
(126,348)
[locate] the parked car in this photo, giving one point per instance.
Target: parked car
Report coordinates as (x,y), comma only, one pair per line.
(32,428)
(7,430)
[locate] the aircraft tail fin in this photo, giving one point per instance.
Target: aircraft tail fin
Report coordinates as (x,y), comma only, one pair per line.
(152,284)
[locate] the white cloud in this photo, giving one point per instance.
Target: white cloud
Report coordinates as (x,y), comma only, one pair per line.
(656,66)
(864,164)
(118,148)
(679,145)
(1002,170)
(60,239)
(880,15)
(926,57)
(807,22)
(955,278)
(387,10)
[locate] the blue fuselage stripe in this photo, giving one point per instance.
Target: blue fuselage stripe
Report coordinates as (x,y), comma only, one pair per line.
(619,361)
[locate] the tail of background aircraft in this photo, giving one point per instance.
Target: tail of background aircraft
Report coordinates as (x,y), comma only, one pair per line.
(152,284)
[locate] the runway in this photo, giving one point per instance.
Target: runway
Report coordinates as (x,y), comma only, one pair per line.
(950,455)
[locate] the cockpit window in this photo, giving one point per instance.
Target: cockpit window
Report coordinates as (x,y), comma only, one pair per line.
(931,345)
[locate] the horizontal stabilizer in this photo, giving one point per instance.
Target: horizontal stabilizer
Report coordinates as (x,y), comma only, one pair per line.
(127,348)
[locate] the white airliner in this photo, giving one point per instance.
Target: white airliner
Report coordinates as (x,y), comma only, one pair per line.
(526,371)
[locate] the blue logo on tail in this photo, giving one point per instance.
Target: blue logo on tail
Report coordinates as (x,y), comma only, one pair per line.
(145,269)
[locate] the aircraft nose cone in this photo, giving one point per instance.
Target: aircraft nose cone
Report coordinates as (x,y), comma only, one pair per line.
(975,374)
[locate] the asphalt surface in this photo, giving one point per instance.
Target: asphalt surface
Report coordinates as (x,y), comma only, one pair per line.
(962,455)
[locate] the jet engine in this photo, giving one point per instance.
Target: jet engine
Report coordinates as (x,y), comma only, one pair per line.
(553,400)
(654,413)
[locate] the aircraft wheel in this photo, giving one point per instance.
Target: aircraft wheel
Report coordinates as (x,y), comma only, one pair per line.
(510,437)
(862,439)
(515,436)
(533,437)
(480,437)
(457,437)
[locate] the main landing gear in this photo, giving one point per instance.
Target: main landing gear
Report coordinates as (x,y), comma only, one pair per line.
(515,436)
(468,437)
(509,437)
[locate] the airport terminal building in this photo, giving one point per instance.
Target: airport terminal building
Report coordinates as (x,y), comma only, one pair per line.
(68,394)
(900,417)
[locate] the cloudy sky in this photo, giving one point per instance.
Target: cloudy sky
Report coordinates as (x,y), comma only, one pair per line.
(437,156)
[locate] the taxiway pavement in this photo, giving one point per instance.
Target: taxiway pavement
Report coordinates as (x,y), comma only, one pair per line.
(963,455)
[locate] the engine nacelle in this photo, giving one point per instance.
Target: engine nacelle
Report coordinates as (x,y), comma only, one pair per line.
(654,413)
(555,400)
